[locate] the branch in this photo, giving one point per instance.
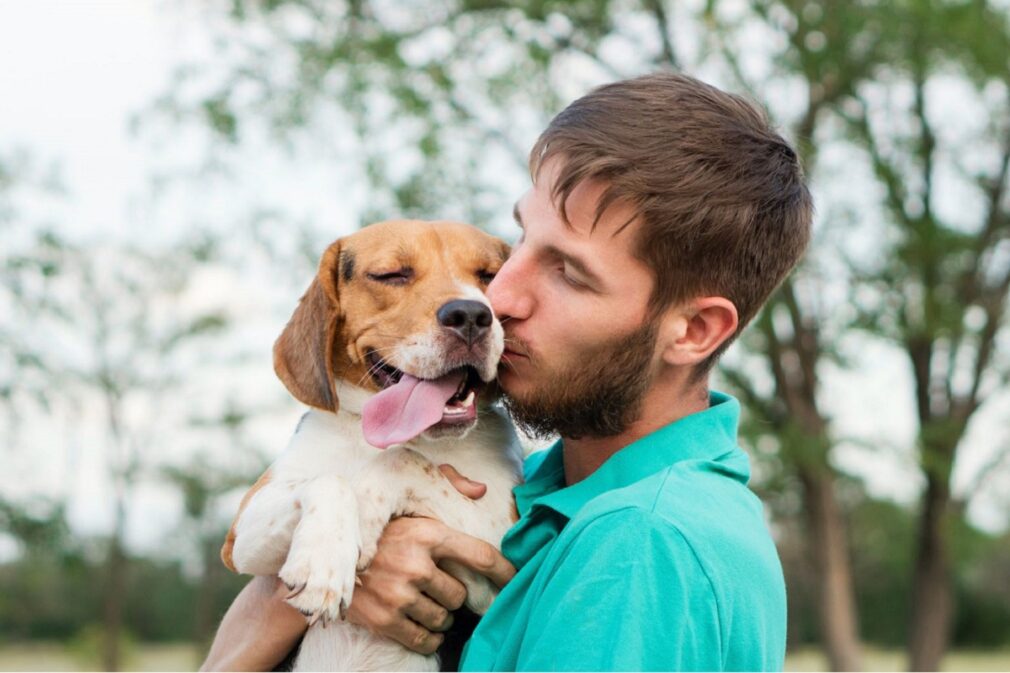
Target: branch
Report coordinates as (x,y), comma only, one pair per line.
(994,308)
(805,341)
(886,171)
(774,349)
(663,28)
(985,473)
(750,396)
(927,145)
(489,130)
(569,43)
(734,62)
(996,221)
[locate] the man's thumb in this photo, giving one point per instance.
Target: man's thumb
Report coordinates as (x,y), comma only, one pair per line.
(468,487)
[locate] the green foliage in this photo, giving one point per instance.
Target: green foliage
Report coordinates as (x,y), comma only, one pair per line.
(882,538)
(56,594)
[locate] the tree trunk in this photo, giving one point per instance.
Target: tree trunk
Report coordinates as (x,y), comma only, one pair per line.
(115,592)
(205,620)
(827,540)
(115,585)
(932,590)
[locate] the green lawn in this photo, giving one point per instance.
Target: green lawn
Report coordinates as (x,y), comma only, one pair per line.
(184,657)
(812,659)
(47,656)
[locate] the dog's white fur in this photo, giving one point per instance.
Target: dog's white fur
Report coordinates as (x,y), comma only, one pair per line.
(330,494)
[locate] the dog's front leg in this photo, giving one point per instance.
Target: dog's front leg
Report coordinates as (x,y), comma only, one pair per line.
(402,481)
(320,568)
(260,538)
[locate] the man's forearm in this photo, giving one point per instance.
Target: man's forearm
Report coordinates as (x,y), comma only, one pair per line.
(258,631)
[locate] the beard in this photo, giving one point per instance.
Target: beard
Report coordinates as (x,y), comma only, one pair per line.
(599,396)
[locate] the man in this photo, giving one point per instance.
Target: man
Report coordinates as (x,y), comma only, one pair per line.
(663,213)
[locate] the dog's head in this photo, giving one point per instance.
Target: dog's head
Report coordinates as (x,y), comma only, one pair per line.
(398,308)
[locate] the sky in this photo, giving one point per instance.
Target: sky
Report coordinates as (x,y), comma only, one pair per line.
(77,73)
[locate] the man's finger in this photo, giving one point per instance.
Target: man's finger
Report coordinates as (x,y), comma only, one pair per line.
(414,637)
(445,590)
(468,487)
(430,615)
(476,555)
(380,619)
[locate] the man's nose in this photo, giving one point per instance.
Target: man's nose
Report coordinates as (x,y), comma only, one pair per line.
(467,319)
(505,291)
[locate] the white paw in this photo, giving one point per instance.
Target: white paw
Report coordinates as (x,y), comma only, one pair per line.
(480,592)
(321,578)
(479,596)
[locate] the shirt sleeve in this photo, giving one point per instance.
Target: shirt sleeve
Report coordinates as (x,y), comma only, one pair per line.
(628,594)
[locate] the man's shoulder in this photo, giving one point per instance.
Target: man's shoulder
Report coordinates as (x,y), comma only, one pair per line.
(713,519)
(687,496)
(700,542)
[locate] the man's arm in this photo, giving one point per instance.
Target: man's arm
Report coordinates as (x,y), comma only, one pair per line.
(403,595)
(627,594)
(258,630)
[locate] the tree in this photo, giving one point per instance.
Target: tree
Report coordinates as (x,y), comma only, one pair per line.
(203,482)
(942,286)
(27,265)
(829,49)
(118,330)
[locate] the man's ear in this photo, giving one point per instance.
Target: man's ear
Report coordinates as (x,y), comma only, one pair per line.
(303,354)
(691,332)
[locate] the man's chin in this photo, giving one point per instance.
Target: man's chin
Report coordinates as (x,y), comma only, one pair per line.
(516,386)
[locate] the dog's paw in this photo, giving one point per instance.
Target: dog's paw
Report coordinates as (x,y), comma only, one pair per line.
(321,579)
(479,596)
(480,592)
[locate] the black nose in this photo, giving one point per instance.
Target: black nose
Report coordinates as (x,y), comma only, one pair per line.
(469,320)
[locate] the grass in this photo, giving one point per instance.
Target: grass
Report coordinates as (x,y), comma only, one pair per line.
(54,656)
(49,656)
(876,659)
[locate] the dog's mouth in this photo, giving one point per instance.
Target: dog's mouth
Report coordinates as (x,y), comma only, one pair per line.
(407,406)
(386,375)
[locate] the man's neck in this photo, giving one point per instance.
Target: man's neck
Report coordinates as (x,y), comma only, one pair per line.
(660,407)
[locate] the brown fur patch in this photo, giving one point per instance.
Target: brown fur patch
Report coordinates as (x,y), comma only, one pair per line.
(229,540)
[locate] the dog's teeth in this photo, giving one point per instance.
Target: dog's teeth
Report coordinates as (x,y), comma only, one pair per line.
(469,400)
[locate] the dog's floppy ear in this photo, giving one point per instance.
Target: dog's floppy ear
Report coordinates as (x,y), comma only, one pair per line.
(303,354)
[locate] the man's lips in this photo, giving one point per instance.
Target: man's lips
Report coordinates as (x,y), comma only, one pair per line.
(515,348)
(513,353)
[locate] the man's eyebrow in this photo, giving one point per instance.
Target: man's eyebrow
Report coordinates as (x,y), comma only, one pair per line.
(557,252)
(575,263)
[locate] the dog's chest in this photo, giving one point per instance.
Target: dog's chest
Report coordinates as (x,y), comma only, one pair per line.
(328,443)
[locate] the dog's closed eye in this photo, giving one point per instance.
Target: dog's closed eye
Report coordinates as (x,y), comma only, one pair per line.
(398,277)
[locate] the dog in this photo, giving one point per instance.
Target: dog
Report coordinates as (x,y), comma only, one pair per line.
(395,348)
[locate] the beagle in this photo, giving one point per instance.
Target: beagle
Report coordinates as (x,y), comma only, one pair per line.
(395,349)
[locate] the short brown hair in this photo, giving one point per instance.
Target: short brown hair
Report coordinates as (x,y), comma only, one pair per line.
(720,195)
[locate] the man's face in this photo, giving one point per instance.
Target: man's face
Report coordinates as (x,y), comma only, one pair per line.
(579,354)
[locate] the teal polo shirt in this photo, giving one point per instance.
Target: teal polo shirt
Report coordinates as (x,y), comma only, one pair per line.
(659,560)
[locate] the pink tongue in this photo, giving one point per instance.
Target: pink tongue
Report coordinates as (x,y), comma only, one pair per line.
(404,410)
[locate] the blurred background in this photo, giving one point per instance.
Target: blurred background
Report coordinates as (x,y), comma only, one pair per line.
(170,172)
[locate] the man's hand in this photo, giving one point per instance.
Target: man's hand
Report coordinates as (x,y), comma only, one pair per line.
(404,595)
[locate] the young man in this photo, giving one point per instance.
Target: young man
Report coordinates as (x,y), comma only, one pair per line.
(663,213)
